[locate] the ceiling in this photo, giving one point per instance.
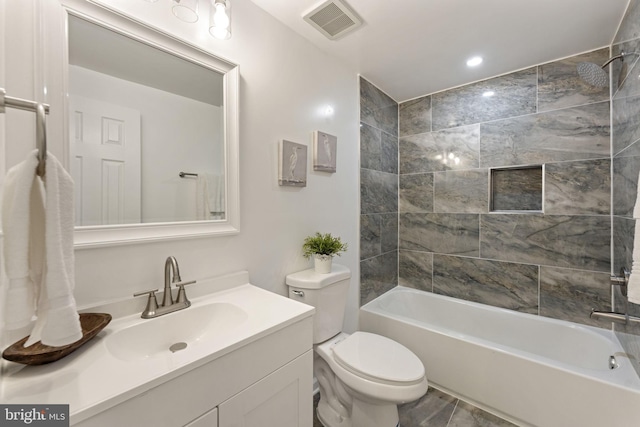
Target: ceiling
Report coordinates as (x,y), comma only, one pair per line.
(410,48)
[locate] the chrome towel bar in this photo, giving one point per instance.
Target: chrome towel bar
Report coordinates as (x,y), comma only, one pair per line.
(41,111)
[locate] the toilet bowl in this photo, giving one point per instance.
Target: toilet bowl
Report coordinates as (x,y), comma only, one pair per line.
(362,376)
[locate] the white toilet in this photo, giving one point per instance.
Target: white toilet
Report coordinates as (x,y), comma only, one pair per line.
(363,376)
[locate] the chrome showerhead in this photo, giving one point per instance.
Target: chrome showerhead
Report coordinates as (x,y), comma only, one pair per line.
(595,74)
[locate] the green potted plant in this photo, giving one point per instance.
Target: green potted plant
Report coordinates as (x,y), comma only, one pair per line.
(323,247)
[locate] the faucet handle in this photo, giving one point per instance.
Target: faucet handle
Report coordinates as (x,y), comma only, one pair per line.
(152,303)
(182,295)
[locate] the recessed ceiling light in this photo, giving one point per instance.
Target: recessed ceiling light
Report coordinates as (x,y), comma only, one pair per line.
(474,62)
(488,93)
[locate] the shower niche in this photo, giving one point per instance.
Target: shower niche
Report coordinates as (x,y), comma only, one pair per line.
(516,189)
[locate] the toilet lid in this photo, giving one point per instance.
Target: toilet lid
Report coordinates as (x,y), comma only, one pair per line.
(378,358)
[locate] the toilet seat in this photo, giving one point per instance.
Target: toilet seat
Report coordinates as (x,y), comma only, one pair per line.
(379,359)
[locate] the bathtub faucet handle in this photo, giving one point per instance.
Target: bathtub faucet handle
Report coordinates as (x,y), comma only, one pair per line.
(622,280)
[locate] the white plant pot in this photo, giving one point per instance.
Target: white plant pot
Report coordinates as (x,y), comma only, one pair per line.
(322,263)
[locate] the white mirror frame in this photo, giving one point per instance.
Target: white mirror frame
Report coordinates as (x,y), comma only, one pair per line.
(97,236)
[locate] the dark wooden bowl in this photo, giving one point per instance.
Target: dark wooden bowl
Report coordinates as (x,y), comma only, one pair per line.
(39,354)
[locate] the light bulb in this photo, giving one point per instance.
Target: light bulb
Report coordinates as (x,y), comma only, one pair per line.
(220,18)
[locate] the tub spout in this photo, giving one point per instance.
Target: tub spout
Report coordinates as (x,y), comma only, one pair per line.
(613,317)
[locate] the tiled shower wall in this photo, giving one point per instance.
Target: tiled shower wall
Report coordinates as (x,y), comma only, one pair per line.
(626,160)
(553,262)
(378,192)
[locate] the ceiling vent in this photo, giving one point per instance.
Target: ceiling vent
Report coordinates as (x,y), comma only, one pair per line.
(333,19)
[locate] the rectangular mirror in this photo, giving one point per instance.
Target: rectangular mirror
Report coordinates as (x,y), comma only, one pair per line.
(152,132)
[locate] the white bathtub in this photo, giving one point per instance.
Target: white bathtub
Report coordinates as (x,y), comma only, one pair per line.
(531,370)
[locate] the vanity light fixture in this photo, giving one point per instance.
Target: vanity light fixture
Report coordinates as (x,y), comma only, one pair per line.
(220,19)
(219,15)
(474,62)
(185,10)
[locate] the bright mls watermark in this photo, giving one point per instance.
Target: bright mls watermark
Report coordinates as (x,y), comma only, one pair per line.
(34,415)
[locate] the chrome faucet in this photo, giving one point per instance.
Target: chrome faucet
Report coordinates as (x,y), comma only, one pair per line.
(170,263)
(169,305)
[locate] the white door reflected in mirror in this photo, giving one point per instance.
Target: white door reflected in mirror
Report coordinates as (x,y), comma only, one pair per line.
(105,162)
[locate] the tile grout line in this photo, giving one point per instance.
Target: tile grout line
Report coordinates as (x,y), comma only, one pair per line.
(453,412)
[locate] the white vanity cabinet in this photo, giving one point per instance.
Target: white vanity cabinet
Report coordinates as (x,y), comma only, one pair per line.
(281,399)
(267,382)
(209,419)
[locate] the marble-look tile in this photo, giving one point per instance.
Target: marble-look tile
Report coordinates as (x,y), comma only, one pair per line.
(578,188)
(513,95)
(389,232)
(625,125)
(378,150)
(434,409)
(438,151)
(377,276)
(572,294)
(461,191)
(466,415)
(631,151)
(570,134)
(560,86)
(378,192)
(501,284)
(389,160)
(416,193)
(378,234)
(377,109)
(625,184)
(630,25)
(624,73)
(370,147)
(581,242)
(370,230)
(623,241)
(415,116)
(441,233)
(316,400)
(415,270)
(516,189)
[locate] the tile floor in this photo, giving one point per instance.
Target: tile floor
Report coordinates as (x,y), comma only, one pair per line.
(438,409)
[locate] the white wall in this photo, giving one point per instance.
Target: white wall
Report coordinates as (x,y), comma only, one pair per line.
(285,83)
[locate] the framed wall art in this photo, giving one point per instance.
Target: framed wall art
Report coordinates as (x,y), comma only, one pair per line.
(292,164)
(324,152)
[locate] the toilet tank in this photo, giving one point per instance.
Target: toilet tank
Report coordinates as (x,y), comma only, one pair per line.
(327,293)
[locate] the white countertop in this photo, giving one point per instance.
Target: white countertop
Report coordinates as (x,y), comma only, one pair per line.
(93,379)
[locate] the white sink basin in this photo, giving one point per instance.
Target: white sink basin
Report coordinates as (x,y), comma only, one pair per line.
(179,331)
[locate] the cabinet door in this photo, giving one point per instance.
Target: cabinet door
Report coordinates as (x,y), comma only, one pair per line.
(209,419)
(282,399)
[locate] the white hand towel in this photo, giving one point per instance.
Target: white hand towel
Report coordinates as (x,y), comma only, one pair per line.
(636,208)
(202,198)
(58,322)
(633,289)
(216,194)
(22,222)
